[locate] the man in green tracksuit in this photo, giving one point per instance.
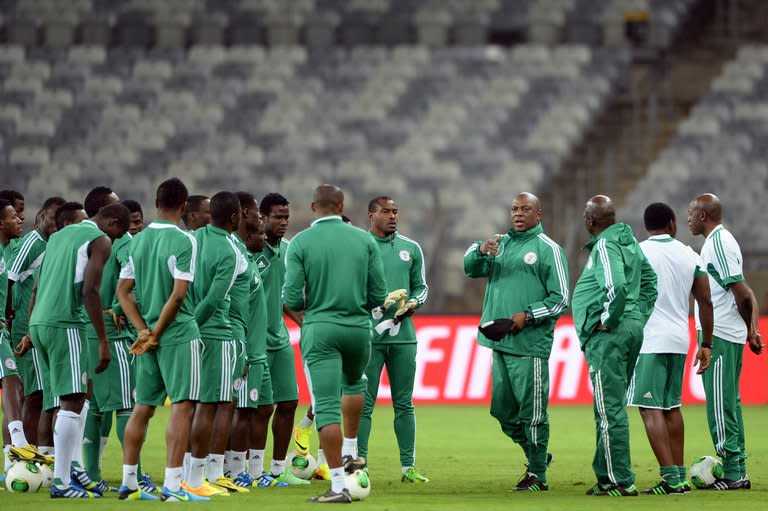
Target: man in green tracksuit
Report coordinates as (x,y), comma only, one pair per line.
(612,301)
(395,346)
(334,273)
(528,283)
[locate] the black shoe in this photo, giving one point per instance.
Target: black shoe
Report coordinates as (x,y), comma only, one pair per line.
(664,488)
(331,497)
(598,488)
(530,482)
(725,484)
(616,490)
(686,486)
(351,464)
(746,484)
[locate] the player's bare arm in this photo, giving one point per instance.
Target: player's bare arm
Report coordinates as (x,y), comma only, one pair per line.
(171,307)
(296,317)
(701,294)
(745,303)
(99,251)
(129,305)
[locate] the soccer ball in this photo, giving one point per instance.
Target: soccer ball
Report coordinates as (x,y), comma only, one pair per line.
(23,477)
(302,466)
(47,474)
(705,470)
(359,484)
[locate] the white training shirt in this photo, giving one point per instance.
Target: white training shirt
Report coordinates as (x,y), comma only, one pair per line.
(721,257)
(676,266)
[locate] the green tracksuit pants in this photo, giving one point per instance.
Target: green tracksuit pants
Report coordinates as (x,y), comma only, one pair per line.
(611,357)
(400,361)
(519,397)
(726,423)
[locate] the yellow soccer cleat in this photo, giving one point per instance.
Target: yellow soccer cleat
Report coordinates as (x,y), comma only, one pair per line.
(29,453)
(301,438)
(229,485)
(205,490)
(322,472)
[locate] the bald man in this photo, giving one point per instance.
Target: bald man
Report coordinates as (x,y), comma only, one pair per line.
(528,284)
(335,275)
(735,324)
(612,301)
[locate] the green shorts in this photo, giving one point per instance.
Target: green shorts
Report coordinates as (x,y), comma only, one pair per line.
(170,370)
(282,368)
(7,359)
(218,364)
(256,389)
(113,389)
(28,366)
(334,357)
(63,361)
(657,381)
(240,361)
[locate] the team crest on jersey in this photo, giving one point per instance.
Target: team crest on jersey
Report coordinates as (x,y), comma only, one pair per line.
(10,364)
(238,384)
(405,255)
(530,258)
(254,394)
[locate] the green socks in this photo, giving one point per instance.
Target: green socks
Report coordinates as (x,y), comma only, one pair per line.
(92,443)
(670,474)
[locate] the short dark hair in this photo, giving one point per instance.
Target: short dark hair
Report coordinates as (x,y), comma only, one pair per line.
(223,206)
(375,202)
(51,202)
(11,196)
(118,212)
(247,200)
(4,203)
(96,199)
(66,213)
(269,200)
(194,204)
(133,206)
(171,194)
(657,216)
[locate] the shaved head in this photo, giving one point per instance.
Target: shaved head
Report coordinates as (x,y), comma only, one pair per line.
(526,212)
(705,212)
(711,205)
(529,198)
(328,199)
(599,214)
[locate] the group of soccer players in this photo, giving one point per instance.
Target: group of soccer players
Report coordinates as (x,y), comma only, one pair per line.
(106,314)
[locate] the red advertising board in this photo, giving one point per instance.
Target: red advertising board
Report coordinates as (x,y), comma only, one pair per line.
(452,369)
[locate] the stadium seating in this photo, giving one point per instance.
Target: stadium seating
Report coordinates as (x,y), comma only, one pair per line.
(723,148)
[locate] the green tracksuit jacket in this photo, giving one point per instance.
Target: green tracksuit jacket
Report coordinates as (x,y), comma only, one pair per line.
(529,273)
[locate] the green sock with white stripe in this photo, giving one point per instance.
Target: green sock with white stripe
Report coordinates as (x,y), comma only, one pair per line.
(670,475)
(682,473)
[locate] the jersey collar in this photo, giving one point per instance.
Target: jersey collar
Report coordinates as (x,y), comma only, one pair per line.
(663,238)
(218,230)
(717,228)
(330,218)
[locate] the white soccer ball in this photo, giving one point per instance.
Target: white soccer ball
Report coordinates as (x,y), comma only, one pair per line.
(705,470)
(46,473)
(23,477)
(302,466)
(359,484)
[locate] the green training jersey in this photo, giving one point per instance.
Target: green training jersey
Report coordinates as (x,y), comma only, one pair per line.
(158,255)
(271,265)
(3,282)
(256,345)
(334,273)
(59,299)
(238,309)
(117,260)
(24,261)
(403,262)
(216,271)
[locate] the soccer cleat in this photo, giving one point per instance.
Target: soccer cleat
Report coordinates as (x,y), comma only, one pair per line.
(73,491)
(103,487)
(331,497)
(686,486)
(616,490)
(287,477)
(722,484)
(204,490)
(322,472)
(125,493)
(746,484)
(664,488)
(266,480)
(530,482)
(599,487)
(228,484)
(147,485)
(244,480)
(412,476)
(182,495)
(29,453)
(351,464)
(301,438)
(82,478)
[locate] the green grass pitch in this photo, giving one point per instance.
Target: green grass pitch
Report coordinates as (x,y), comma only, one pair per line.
(472,466)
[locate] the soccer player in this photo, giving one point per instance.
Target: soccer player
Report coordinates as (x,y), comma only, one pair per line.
(219,264)
(137,216)
(198,212)
(527,260)
(70,278)
(69,213)
(280,359)
(161,266)
(612,301)
(403,262)
(334,273)
(657,384)
(735,324)
(24,263)
(17,201)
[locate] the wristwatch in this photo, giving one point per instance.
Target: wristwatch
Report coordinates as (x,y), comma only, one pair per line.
(528,317)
